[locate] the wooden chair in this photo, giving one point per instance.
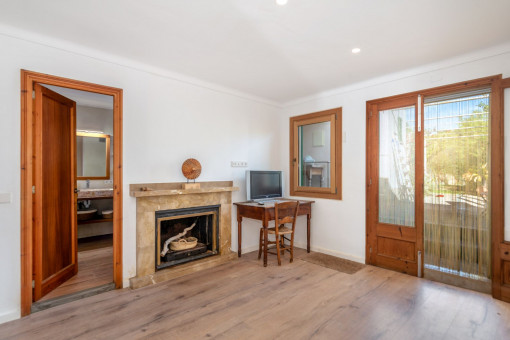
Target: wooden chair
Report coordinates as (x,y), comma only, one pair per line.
(283,213)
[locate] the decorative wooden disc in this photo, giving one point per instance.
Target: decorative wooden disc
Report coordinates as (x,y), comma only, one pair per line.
(191,168)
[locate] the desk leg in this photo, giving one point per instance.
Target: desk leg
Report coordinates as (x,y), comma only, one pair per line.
(308,218)
(239,234)
(265,224)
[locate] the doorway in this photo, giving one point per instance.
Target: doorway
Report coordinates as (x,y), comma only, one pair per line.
(434,183)
(44,192)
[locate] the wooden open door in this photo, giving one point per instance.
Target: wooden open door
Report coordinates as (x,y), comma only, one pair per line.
(500,243)
(54,178)
(394,190)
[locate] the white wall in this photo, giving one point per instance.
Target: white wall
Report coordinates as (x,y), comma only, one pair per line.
(338,227)
(165,122)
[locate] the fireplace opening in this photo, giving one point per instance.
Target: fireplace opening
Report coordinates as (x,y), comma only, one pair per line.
(184,235)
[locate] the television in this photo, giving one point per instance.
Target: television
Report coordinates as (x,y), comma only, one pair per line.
(262,185)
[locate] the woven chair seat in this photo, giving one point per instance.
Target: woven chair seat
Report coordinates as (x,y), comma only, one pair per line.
(281,230)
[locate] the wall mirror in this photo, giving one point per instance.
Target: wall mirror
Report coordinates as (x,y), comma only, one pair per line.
(92,155)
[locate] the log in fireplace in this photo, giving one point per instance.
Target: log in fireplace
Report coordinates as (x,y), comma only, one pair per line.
(199,224)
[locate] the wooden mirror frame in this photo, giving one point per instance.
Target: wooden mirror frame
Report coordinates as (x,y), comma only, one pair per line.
(107,158)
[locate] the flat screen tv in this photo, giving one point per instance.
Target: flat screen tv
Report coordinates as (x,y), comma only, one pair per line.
(264,184)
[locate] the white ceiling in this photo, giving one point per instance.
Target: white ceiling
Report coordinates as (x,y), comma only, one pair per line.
(273,52)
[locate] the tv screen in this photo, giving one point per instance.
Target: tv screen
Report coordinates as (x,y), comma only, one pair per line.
(264,184)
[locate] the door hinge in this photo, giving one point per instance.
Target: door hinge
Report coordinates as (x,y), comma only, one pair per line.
(336,116)
(370,113)
(370,250)
(33,94)
(33,283)
(370,181)
(33,189)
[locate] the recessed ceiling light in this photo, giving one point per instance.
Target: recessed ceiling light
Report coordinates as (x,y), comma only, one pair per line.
(281,2)
(356,50)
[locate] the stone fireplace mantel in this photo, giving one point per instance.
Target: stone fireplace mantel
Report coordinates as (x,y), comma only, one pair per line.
(152,197)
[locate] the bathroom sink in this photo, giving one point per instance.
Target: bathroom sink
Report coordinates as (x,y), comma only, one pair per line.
(84,215)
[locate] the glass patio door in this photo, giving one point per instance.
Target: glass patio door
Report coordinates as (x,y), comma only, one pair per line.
(457,226)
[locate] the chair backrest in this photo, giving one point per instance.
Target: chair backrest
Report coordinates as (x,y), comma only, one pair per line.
(285,212)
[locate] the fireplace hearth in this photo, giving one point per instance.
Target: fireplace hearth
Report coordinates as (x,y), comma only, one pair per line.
(198,223)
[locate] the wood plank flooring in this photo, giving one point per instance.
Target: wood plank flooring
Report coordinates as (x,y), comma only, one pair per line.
(244,300)
(95,268)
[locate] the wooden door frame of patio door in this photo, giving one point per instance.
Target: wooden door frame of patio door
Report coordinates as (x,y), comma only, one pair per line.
(500,247)
(497,154)
(28,80)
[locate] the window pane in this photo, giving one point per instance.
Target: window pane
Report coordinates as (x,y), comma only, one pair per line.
(314,154)
(396,166)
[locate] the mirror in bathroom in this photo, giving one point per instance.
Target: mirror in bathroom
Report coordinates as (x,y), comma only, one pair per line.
(92,155)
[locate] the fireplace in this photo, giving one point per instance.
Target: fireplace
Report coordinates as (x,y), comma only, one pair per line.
(197,230)
(168,202)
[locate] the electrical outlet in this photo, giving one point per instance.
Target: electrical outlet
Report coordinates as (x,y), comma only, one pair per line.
(238,164)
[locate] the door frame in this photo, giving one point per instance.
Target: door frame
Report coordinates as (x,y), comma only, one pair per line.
(28,80)
(497,159)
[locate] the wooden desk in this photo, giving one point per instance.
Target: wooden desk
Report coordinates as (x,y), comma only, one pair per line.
(265,213)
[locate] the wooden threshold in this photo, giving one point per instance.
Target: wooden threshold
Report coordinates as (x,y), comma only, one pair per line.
(42,305)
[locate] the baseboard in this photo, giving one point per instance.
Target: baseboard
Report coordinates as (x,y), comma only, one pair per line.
(317,249)
(332,252)
(9,316)
(250,249)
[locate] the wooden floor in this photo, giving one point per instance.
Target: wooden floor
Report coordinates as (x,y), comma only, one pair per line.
(95,268)
(244,300)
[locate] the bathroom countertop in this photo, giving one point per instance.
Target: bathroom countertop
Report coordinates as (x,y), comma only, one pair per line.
(95,193)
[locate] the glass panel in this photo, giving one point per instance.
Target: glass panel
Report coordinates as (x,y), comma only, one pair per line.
(457,198)
(314,154)
(396,166)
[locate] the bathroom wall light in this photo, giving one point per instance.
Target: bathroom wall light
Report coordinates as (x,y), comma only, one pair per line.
(356,50)
(281,2)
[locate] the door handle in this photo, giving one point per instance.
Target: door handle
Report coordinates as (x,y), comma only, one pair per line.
(76,191)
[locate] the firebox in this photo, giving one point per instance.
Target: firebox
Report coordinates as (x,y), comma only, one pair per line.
(184,235)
